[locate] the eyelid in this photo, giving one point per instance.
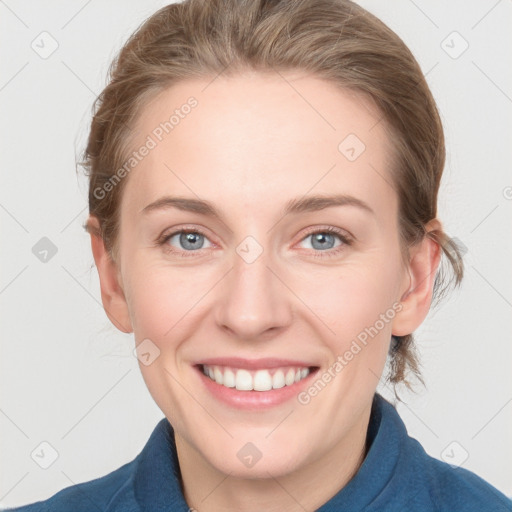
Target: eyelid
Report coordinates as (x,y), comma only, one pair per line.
(170,232)
(345,237)
(342,233)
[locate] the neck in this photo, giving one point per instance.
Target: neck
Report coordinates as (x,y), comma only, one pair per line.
(307,488)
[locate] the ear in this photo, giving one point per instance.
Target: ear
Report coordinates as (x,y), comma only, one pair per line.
(416,296)
(112,294)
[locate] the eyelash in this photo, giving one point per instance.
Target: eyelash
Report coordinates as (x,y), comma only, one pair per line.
(344,238)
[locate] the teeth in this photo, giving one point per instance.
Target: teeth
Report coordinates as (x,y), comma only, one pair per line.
(243,380)
(259,380)
(229,379)
(278,379)
(262,381)
(290,377)
(218,375)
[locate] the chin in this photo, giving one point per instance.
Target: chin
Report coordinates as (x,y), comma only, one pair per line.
(260,459)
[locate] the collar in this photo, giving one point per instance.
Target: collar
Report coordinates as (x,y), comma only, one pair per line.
(157,479)
(386,436)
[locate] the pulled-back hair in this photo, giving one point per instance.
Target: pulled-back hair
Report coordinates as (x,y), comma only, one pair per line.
(335,40)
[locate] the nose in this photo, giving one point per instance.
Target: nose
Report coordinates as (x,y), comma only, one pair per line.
(254,302)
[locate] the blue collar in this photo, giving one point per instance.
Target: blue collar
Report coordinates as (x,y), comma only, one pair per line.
(158,482)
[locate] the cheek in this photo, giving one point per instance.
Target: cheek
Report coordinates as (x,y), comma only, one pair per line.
(358,306)
(159,302)
(350,299)
(167,302)
(164,304)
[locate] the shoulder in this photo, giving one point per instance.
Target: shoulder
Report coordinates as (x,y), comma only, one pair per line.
(113,489)
(151,477)
(422,482)
(455,488)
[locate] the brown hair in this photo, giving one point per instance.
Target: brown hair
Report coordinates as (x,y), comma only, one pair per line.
(336,40)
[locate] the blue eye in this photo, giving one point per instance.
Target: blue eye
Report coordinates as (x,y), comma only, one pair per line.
(323,241)
(188,240)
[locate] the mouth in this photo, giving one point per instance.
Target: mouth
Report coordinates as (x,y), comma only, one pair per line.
(256,380)
(254,384)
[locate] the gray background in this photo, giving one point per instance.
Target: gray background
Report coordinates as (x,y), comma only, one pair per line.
(68,378)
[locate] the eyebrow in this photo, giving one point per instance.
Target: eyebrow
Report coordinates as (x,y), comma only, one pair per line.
(294,206)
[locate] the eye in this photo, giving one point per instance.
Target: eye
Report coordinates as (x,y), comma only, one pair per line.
(188,242)
(324,241)
(185,240)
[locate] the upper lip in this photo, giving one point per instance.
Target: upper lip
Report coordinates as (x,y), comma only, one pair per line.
(253,364)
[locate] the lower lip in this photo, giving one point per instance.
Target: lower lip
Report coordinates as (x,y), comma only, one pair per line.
(254,400)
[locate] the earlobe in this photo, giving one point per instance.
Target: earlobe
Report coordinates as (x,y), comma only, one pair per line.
(417,296)
(112,295)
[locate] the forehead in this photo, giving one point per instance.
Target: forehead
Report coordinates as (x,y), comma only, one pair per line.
(259,139)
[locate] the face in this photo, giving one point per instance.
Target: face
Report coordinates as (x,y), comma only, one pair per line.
(229,266)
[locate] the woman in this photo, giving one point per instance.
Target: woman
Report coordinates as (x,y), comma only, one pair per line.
(263,200)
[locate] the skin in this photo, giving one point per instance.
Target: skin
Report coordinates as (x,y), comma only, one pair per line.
(253,143)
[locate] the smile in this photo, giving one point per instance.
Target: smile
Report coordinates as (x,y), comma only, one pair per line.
(255,380)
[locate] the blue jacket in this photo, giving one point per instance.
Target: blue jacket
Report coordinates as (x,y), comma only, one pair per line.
(396,475)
